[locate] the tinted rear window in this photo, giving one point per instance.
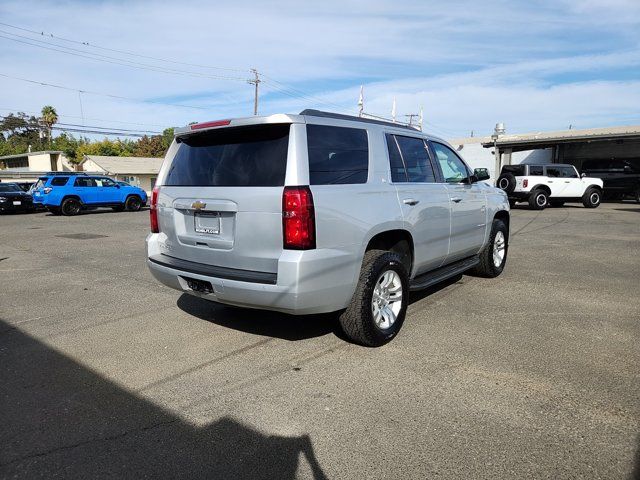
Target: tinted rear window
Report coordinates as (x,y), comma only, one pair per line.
(232,157)
(337,155)
(59,181)
(517,170)
(536,170)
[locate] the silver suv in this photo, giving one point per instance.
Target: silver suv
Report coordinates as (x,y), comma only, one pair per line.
(320,212)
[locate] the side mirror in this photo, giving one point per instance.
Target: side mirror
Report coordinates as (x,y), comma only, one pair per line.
(582,175)
(117,186)
(480,174)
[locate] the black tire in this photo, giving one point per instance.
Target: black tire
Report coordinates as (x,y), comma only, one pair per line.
(487,266)
(556,203)
(592,198)
(538,199)
(133,203)
(512,203)
(507,182)
(357,321)
(70,207)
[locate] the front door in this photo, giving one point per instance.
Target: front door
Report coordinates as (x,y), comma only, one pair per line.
(467,203)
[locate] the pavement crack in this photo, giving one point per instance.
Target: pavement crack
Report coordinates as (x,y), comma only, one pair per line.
(200,366)
(88,442)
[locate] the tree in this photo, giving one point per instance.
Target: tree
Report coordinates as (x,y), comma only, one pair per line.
(150,147)
(49,118)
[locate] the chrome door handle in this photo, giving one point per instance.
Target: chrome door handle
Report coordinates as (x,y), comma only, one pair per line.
(410,201)
(567,181)
(456,199)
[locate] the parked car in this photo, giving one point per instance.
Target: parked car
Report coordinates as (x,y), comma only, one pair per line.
(14,199)
(555,184)
(69,193)
(621,178)
(320,212)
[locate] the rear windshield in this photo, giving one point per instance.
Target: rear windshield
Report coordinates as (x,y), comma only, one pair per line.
(232,157)
(518,170)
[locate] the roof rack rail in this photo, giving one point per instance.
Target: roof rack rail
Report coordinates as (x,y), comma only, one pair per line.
(65,173)
(340,116)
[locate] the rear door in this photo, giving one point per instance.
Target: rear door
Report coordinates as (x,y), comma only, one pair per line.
(220,197)
(85,188)
(424,201)
(467,203)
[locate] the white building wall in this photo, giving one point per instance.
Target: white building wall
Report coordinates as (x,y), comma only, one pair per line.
(477,156)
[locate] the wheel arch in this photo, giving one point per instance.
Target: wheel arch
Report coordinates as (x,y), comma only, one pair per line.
(68,196)
(504,216)
(541,186)
(397,240)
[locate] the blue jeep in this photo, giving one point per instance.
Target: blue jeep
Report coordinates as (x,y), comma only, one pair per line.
(67,193)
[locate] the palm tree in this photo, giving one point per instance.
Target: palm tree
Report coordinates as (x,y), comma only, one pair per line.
(49,118)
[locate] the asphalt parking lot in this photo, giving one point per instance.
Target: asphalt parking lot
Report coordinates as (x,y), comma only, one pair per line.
(105,372)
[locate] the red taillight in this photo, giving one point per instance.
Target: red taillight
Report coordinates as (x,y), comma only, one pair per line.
(298,219)
(153,213)
(525,182)
(217,123)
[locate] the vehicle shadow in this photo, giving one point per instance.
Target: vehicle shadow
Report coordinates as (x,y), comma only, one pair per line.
(100,211)
(260,322)
(280,325)
(61,419)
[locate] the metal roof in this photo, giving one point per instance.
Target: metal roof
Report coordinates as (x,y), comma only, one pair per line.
(126,165)
(565,136)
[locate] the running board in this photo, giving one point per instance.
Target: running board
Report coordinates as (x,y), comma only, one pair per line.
(429,279)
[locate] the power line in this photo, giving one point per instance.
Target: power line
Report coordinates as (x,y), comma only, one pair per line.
(18,110)
(91,45)
(36,82)
(112,60)
(97,129)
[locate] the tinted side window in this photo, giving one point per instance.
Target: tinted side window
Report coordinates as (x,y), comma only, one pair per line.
(553,172)
(536,170)
(416,159)
(85,182)
(59,181)
(453,169)
(517,170)
(398,172)
(232,157)
(337,155)
(568,172)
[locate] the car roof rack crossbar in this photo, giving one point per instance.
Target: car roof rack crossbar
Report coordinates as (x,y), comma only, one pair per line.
(66,174)
(351,118)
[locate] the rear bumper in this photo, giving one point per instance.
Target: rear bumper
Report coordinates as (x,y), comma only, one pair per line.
(307,282)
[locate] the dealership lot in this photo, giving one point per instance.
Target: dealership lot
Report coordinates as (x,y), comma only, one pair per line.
(103,371)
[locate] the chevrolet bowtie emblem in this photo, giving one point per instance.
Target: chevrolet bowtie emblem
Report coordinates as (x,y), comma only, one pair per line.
(198,205)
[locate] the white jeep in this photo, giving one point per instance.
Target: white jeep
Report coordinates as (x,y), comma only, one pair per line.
(542,185)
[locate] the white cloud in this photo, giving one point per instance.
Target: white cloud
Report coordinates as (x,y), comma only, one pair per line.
(532,65)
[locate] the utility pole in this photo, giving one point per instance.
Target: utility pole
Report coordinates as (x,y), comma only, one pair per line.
(255,81)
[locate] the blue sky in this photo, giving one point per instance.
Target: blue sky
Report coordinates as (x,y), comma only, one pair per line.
(532,65)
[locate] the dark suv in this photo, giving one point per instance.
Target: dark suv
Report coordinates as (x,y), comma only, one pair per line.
(621,177)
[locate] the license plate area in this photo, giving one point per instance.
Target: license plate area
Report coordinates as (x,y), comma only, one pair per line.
(17,202)
(196,285)
(207,223)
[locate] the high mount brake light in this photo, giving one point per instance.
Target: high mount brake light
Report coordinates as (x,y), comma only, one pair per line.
(298,219)
(217,123)
(153,212)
